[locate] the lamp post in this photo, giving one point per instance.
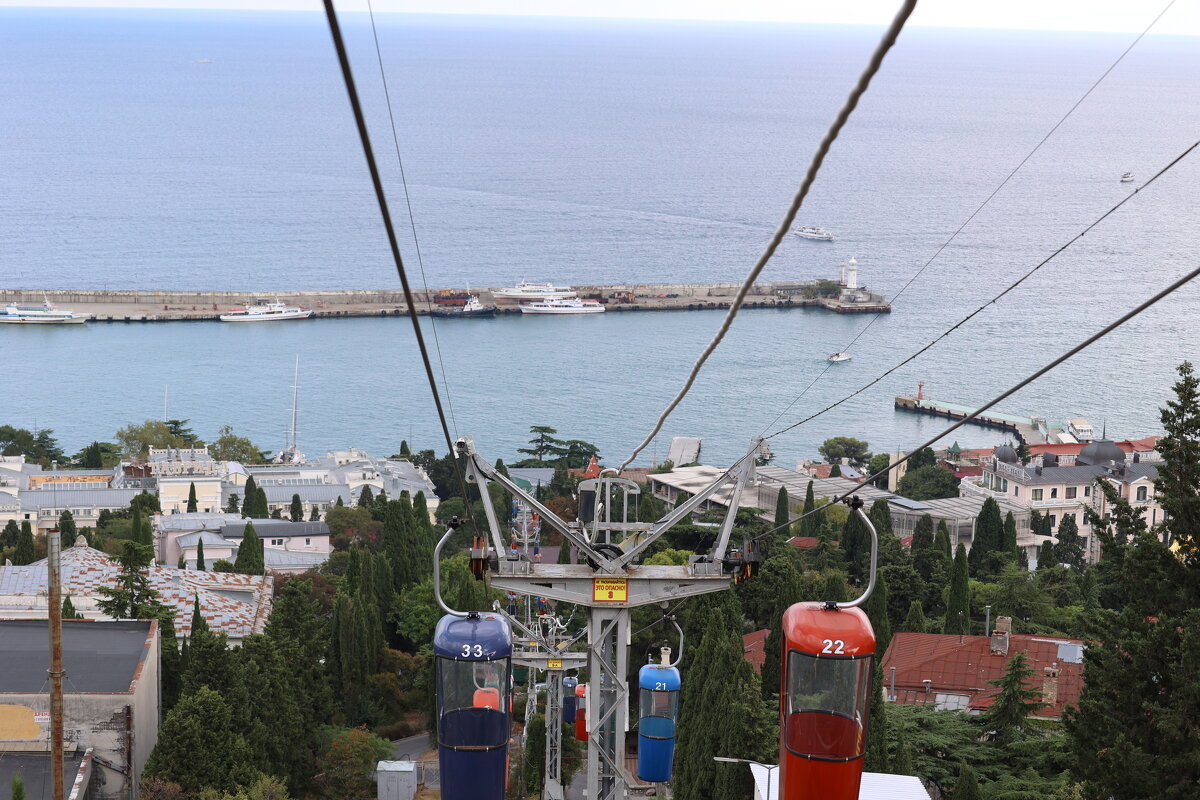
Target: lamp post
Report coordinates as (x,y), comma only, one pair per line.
(768,767)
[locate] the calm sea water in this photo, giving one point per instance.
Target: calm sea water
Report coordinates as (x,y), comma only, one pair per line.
(192,150)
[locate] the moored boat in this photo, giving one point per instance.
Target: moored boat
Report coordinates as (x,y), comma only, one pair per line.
(558,306)
(525,291)
(42,314)
(1127,177)
(839,356)
(266,312)
(471,308)
(813,232)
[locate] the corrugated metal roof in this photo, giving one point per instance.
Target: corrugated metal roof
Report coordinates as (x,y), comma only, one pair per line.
(34,499)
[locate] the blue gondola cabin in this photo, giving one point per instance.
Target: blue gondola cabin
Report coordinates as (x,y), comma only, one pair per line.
(658,705)
(474,705)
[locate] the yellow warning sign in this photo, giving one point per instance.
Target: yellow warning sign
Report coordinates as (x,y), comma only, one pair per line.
(553,663)
(610,590)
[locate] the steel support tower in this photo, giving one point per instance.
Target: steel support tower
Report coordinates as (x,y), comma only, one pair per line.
(610,585)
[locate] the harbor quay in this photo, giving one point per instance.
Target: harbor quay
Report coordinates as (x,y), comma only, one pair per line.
(172,306)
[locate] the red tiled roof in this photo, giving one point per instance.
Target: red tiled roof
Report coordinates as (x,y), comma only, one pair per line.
(806,542)
(754,648)
(818,470)
(965,665)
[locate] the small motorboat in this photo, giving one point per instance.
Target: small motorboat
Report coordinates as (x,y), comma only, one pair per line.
(838,356)
(1127,177)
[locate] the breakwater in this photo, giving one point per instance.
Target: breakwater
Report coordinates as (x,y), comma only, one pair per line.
(168,306)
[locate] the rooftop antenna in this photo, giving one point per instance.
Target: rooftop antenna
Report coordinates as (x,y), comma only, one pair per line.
(290,454)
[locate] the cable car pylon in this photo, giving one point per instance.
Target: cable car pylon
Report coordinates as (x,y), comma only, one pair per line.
(609,584)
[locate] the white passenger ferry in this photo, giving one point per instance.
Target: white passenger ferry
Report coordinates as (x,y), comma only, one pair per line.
(266,312)
(42,314)
(813,232)
(525,291)
(563,307)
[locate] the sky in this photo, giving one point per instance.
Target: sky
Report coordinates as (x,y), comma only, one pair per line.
(1126,16)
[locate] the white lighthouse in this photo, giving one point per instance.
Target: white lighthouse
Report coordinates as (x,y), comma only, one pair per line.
(852,274)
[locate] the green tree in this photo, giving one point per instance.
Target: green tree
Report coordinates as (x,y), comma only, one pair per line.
(296,512)
(66,527)
(845,448)
(223,565)
(922,458)
(249,559)
(347,764)
(941,541)
(261,510)
(201,722)
(233,506)
(10,535)
(25,553)
(68,609)
(879,463)
(1069,549)
(835,471)
(809,522)
(967,787)
(783,514)
(988,540)
(1131,735)
(18,787)
(1010,533)
(876,758)
(1014,703)
(169,661)
(366,498)
(958,606)
(136,440)
(200,555)
(535,754)
(38,446)
(928,483)
(542,444)
(249,504)
(133,597)
(915,621)
(191,501)
(228,446)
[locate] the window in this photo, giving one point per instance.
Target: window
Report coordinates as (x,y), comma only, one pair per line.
(827,706)
(1054,493)
(1087,491)
(277,542)
(307,542)
(1071,490)
(1016,491)
(1036,494)
(1141,494)
(1053,521)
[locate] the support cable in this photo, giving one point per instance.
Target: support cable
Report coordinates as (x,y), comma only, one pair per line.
(1095,337)
(814,167)
(993,300)
(975,213)
(437,345)
(339,44)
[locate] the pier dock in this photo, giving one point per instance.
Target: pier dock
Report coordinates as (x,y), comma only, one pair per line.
(167,306)
(1027,429)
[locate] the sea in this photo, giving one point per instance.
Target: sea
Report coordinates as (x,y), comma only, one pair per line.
(190,150)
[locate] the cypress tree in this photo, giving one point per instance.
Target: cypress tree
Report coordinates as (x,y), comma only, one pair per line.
(191,503)
(18,787)
(924,553)
(941,541)
(856,544)
(1069,549)
(66,528)
(958,606)
(339,502)
(200,722)
(200,555)
(262,510)
(25,553)
(232,506)
(366,498)
(315,516)
(251,498)
(772,659)
(199,623)
(834,588)
(915,622)
(902,762)
(10,534)
(835,471)
(876,758)
(297,509)
(249,559)
(404,451)
(181,563)
(1010,533)
(967,787)
(808,525)
(170,663)
(988,539)
(782,515)
(876,608)
(68,609)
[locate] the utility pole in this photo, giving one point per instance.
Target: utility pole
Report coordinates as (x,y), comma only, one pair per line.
(53,568)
